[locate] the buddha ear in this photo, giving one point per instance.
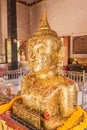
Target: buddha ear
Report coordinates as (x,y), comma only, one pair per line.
(61,53)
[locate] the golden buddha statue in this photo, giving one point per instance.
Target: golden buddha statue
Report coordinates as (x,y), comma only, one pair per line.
(48,98)
(44,49)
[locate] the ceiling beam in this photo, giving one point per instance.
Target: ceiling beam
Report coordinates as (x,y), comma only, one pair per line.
(29,3)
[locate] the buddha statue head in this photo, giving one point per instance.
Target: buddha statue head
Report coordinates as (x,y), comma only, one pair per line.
(44,49)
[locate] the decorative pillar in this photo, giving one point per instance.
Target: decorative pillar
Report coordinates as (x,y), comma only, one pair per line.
(0,31)
(12,32)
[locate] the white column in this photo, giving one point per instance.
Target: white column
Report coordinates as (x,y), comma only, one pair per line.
(3,26)
(0,30)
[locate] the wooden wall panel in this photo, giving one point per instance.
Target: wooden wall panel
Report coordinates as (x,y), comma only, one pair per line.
(80,45)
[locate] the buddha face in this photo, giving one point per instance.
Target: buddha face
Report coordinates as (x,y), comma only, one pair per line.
(42,55)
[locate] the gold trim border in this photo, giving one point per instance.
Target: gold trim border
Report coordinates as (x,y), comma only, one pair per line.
(33,4)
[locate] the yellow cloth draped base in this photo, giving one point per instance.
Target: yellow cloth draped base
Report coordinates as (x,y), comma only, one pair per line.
(78,119)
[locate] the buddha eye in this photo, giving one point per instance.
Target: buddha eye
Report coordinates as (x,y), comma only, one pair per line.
(38,46)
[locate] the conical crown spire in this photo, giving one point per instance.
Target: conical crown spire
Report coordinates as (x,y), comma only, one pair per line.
(44,22)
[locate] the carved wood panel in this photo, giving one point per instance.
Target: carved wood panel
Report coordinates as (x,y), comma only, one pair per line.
(80,45)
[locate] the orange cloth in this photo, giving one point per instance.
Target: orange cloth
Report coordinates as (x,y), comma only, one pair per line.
(8,106)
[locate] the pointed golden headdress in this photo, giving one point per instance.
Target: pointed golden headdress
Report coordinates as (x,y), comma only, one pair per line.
(44,22)
(44,28)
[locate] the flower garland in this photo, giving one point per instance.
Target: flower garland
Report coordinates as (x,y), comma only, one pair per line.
(3,125)
(77,121)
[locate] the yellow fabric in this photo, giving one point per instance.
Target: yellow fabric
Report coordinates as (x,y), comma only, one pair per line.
(8,106)
(77,121)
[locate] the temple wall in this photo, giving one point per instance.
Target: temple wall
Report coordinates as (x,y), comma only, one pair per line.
(65,17)
(23,22)
(35,16)
(68,17)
